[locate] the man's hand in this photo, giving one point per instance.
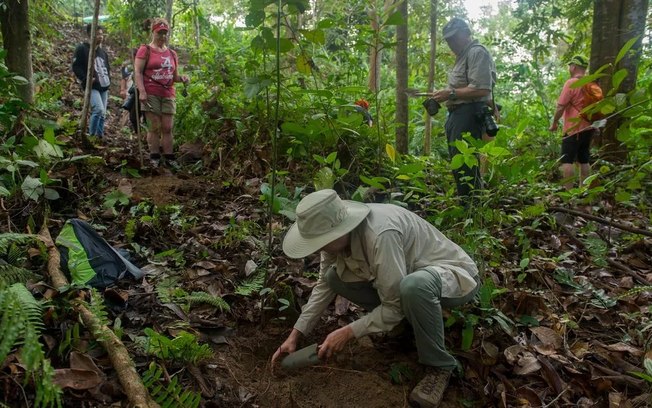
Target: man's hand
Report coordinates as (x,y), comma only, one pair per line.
(441,95)
(288,346)
(553,127)
(335,342)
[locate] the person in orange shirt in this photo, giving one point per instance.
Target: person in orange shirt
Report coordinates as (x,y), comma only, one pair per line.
(578,132)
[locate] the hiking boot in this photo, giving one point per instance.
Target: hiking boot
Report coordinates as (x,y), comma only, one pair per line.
(154,163)
(173,164)
(430,390)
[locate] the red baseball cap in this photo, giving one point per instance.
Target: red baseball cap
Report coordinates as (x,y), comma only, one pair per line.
(160,26)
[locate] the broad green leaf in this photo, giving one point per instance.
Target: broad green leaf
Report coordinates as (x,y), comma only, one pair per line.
(623,196)
(403,177)
(255,18)
(411,168)
(529,321)
(618,77)
(524,263)
(295,128)
(300,5)
(50,194)
(471,160)
(303,65)
(4,192)
(463,147)
(324,179)
(647,363)
(394,19)
(20,80)
(27,163)
(46,150)
(391,152)
(326,23)
(373,182)
(331,157)
(314,36)
(623,51)
(285,45)
(32,188)
(318,92)
(457,161)
(467,337)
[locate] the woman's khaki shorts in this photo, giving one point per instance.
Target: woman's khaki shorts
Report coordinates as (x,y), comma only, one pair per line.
(159,105)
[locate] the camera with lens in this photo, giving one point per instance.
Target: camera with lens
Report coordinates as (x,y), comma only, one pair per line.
(486,118)
(432,106)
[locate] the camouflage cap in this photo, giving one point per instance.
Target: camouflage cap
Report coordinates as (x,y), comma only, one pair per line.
(454,26)
(579,60)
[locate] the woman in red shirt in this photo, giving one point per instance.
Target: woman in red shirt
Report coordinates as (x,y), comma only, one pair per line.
(156,71)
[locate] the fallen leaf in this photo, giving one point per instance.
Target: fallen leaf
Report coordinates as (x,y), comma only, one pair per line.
(250,267)
(76,379)
(81,361)
(341,305)
(527,364)
(580,349)
(490,348)
(636,352)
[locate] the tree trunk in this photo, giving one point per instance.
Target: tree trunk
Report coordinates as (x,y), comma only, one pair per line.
(168,16)
(374,53)
(195,19)
(14,19)
(402,80)
(431,74)
(89,76)
(615,23)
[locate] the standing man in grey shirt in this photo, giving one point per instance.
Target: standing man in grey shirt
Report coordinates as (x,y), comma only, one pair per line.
(469,92)
(392,263)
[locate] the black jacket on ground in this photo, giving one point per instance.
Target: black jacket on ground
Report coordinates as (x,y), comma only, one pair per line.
(80,64)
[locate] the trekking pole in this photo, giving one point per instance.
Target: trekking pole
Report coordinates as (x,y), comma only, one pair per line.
(140,141)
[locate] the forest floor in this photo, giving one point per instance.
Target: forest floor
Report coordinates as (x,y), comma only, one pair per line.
(567,331)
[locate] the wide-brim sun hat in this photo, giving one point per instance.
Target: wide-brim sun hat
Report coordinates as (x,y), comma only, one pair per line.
(322,217)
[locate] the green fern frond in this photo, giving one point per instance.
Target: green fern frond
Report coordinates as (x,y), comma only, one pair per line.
(21,324)
(203,297)
(252,285)
(184,348)
(9,238)
(634,292)
(16,255)
(168,291)
(98,309)
(10,274)
(170,395)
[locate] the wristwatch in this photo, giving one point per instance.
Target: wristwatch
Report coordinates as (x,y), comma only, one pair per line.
(452,95)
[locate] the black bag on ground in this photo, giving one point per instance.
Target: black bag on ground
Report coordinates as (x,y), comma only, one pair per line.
(87,259)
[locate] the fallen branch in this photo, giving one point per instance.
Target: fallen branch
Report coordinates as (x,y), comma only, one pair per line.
(122,363)
(602,221)
(58,279)
(622,268)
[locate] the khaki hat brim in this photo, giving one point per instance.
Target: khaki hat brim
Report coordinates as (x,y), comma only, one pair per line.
(297,246)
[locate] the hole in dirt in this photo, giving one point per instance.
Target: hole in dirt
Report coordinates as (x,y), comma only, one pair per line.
(357,377)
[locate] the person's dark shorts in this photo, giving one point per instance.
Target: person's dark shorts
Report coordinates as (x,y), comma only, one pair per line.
(576,148)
